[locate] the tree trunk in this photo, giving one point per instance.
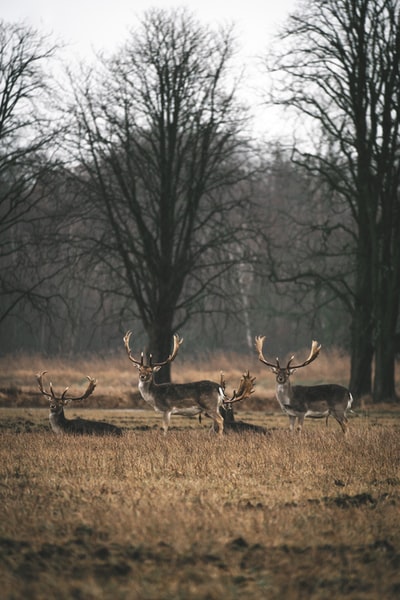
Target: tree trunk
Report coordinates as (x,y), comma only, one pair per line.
(361,358)
(160,346)
(362,349)
(384,385)
(387,303)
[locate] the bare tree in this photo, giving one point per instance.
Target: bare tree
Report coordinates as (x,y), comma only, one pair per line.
(340,64)
(303,256)
(25,135)
(159,141)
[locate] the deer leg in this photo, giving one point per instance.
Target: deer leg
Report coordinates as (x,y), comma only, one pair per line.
(218,423)
(300,422)
(342,420)
(292,421)
(343,423)
(166,421)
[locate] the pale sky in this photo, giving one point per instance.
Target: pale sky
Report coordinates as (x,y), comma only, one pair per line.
(91,25)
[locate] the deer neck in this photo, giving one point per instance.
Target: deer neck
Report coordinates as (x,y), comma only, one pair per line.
(284,393)
(58,421)
(227,414)
(148,391)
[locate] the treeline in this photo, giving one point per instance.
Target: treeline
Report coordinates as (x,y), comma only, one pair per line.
(62,300)
(132,196)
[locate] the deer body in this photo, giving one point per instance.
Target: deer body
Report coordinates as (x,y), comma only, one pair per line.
(231,425)
(316,401)
(185,399)
(302,401)
(61,425)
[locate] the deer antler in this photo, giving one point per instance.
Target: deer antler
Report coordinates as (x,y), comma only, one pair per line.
(315,350)
(89,390)
(127,337)
(222,381)
(177,342)
(63,399)
(246,388)
(39,377)
(259,347)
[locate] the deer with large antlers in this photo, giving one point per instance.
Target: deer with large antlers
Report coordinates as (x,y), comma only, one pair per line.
(58,421)
(185,399)
(302,401)
(230,424)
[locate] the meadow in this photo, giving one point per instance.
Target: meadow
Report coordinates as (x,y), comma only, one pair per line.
(191,515)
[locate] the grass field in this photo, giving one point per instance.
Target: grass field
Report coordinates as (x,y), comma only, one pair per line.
(190,515)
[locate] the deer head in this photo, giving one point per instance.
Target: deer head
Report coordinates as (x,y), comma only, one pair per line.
(57,402)
(146,371)
(246,388)
(283,373)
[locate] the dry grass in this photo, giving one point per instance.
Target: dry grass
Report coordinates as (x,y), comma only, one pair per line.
(117,377)
(189,515)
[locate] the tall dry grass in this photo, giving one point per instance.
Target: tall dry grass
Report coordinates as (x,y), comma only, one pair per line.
(192,516)
(189,515)
(117,377)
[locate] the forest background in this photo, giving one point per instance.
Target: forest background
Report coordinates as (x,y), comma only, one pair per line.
(134,194)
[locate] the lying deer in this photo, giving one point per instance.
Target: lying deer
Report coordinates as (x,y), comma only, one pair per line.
(227,413)
(185,399)
(231,425)
(61,425)
(302,401)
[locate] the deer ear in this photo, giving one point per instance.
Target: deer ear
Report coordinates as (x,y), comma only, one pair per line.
(156,369)
(291,371)
(274,370)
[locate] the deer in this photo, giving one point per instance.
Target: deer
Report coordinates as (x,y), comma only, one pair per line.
(185,399)
(227,413)
(61,425)
(302,401)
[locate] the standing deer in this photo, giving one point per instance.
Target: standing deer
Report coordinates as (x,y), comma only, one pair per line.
(302,401)
(185,399)
(61,425)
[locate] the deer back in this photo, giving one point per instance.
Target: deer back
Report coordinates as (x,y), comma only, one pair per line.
(78,426)
(321,398)
(186,397)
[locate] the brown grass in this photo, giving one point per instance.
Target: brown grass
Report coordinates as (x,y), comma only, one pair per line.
(189,515)
(117,377)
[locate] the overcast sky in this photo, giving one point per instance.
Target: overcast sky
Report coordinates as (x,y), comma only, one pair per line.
(91,25)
